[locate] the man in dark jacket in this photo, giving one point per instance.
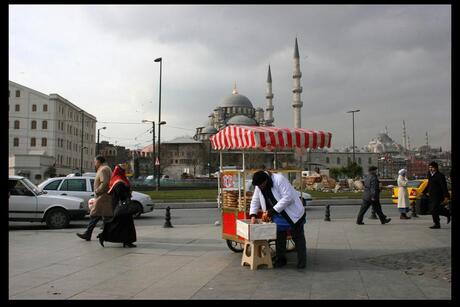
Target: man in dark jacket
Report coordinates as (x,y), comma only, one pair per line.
(438,194)
(371,197)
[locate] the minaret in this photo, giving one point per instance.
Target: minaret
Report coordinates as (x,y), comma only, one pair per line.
(297,103)
(427,139)
(404,135)
(269,118)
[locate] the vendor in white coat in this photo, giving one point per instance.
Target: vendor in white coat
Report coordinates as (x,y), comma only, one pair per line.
(280,201)
(403,194)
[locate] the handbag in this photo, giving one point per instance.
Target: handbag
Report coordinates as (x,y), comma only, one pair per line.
(125,207)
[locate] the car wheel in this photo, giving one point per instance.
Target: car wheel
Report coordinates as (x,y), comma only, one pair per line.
(139,210)
(57,219)
(235,246)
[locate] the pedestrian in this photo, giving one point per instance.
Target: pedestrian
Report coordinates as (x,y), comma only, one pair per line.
(103,202)
(120,228)
(280,202)
(403,194)
(371,197)
(438,194)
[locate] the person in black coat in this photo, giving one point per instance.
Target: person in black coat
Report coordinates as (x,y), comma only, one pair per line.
(371,197)
(121,227)
(438,194)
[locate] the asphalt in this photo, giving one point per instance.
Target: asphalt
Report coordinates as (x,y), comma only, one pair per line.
(344,261)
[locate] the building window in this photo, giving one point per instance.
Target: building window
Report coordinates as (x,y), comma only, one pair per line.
(17,108)
(43,142)
(44,124)
(338,160)
(359,160)
(45,108)
(32,142)
(16,142)
(327,160)
(16,124)
(33,125)
(18,93)
(34,108)
(370,161)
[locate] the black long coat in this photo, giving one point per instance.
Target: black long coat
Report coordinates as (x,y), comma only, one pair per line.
(371,188)
(436,188)
(120,228)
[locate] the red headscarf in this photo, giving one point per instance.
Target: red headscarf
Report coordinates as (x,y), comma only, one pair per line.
(118,175)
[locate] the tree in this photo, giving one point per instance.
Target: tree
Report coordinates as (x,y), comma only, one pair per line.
(50,172)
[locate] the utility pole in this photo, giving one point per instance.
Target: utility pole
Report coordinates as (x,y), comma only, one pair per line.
(353,120)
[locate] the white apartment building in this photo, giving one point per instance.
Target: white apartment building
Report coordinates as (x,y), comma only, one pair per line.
(48,126)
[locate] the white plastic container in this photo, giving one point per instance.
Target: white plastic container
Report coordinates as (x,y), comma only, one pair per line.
(252,232)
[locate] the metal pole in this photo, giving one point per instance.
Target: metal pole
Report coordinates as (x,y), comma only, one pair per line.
(159,130)
(353,119)
(97,145)
(153,150)
(81,158)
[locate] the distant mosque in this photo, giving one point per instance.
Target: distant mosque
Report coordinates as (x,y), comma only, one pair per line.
(237,109)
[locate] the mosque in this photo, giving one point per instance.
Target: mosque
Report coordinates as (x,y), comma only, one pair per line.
(237,109)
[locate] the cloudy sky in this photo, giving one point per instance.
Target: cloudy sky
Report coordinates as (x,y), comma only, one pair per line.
(391,62)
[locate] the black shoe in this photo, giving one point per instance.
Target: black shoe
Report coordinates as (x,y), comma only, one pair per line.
(435,227)
(448,219)
(301,265)
(360,223)
(101,240)
(280,263)
(386,221)
(84,236)
(130,245)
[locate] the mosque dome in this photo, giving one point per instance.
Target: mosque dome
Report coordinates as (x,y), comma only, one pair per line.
(241,120)
(236,100)
(209,130)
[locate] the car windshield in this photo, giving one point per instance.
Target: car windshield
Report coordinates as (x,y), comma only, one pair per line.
(413,184)
(31,186)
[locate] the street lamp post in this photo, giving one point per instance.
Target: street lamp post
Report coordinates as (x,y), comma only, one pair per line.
(353,119)
(81,156)
(159,121)
(153,144)
(159,169)
(97,145)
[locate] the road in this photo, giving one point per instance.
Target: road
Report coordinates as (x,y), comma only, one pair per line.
(210,216)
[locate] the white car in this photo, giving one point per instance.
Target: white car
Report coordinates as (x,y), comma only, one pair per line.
(28,203)
(83,187)
(304,197)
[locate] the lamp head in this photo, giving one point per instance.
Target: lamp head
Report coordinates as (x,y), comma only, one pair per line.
(157,60)
(162,122)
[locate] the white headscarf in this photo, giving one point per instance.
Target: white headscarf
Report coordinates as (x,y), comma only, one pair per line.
(402,172)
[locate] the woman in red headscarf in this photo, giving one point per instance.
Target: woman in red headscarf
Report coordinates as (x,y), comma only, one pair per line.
(120,228)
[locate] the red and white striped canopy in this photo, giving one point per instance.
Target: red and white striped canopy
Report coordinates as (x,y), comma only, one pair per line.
(244,137)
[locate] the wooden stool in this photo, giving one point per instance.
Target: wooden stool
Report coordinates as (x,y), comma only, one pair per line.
(256,253)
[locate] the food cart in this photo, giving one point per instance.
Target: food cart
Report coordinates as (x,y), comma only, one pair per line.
(234,197)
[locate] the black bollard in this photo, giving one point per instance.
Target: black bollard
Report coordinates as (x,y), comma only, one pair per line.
(413,210)
(168,219)
(327,217)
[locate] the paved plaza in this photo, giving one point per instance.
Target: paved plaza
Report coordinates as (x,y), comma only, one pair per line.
(402,260)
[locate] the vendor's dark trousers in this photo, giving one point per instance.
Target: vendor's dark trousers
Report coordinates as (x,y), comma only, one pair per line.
(298,236)
(439,209)
(375,206)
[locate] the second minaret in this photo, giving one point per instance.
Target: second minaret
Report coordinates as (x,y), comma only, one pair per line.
(297,103)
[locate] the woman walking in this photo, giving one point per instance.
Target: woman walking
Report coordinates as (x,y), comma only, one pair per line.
(121,227)
(403,194)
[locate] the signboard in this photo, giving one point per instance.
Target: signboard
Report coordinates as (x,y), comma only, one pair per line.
(230,181)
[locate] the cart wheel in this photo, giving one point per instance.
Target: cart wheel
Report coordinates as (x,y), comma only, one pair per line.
(235,246)
(290,246)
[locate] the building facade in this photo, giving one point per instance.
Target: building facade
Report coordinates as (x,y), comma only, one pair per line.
(49,125)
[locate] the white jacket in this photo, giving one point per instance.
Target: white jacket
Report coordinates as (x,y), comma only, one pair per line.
(287,197)
(403,194)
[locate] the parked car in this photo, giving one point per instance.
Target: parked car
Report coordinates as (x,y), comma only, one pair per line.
(414,188)
(83,187)
(28,203)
